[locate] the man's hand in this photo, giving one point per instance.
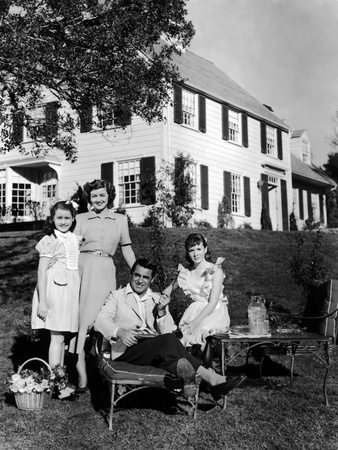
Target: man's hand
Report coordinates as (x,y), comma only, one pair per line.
(128,336)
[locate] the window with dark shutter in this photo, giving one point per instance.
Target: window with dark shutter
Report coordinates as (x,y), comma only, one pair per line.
(321,207)
(245,136)
(107,172)
(225,123)
(263,137)
(86,119)
(204,187)
(178,104)
(285,215)
(309,205)
(247,197)
(51,116)
(265,191)
(18,127)
(227,185)
(279,144)
(301,205)
(202,114)
(122,118)
(147,181)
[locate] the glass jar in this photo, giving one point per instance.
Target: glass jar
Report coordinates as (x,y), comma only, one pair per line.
(257,316)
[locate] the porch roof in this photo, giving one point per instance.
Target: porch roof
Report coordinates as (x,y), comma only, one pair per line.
(206,78)
(310,172)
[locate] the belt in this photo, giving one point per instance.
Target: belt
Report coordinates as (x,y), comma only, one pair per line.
(97,253)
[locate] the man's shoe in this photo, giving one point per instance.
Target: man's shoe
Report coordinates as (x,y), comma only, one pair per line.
(221,389)
(187,373)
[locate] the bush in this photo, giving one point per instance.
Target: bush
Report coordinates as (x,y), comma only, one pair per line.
(203,224)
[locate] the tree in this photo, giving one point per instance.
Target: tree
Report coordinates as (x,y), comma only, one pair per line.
(331,169)
(104,54)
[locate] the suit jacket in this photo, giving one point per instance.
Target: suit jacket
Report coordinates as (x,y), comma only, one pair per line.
(121,311)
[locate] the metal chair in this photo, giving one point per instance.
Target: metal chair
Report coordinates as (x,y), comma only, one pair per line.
(124,378)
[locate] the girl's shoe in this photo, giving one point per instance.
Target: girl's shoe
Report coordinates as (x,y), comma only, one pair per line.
(221,389)
(81,390)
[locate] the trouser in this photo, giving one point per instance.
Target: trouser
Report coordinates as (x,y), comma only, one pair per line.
(161,351)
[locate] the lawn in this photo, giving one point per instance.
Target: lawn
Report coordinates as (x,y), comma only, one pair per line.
(272,416)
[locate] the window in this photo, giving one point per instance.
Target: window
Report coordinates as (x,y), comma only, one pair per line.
(270,141)
(49,185)
(129,175)
(305,152)
(111,119)
(234,126)
(21,193)
(295,207)
(315,206)
(236,193)
(189,110)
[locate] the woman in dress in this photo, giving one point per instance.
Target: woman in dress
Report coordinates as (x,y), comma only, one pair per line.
(203,282)
(101,231)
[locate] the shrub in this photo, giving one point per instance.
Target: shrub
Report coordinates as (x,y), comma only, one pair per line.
(203,224)
(265,218)
(293,222)
(308,266)
(224,217)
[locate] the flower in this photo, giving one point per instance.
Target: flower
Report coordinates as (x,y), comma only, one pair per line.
(44,381)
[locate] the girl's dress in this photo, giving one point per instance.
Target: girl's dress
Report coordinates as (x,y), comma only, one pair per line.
(198,284)
(101,233)
(63,283)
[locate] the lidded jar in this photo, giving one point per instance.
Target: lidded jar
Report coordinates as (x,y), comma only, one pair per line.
(257,315)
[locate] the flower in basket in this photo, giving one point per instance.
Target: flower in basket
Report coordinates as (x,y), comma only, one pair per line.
(28,381)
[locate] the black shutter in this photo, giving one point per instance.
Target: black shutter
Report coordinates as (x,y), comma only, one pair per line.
(122,118)
(247,197)
(86,119)
(148,181)
(178,104)
(321,207)
(279,144)
(51,115)
(285,216)
(18,127)
(309,205)
(225,123)
(245,136)
(227,185)
(265,192)
(301,205)
(204,187)
(263,137)
(107,172)
(201,114)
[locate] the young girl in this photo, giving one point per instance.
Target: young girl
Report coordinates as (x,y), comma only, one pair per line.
(203,282)
(56,297)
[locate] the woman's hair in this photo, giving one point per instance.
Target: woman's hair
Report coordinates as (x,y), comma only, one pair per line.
(98,184)
(66,206)
(192,240)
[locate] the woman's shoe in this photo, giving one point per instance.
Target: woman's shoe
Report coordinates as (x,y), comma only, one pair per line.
(221,389)
(81,390)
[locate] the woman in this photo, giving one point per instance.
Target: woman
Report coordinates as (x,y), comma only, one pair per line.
(102,231)
(203,282)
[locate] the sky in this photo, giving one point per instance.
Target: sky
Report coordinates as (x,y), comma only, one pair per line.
(283,52)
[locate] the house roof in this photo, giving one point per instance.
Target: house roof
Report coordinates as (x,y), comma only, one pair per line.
(297,133)
(310,172)
(204,76)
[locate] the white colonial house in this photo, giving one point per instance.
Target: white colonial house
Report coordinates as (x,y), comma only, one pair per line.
(310,183)
(241,149)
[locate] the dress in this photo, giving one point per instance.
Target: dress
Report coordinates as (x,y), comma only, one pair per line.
(63,284)
(99,232)
(198,284)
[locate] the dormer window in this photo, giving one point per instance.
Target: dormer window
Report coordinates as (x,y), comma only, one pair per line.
(305,151)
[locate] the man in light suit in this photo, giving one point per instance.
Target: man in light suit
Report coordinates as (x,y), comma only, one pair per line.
(135,311)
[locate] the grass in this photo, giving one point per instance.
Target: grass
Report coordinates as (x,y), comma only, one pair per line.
(272,416)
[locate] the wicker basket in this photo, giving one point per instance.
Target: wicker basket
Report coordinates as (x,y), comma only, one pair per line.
(28,401)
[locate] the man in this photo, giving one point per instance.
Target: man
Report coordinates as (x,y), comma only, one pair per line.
(136,310)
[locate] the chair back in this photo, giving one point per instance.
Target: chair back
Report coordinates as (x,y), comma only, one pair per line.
(320,314)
